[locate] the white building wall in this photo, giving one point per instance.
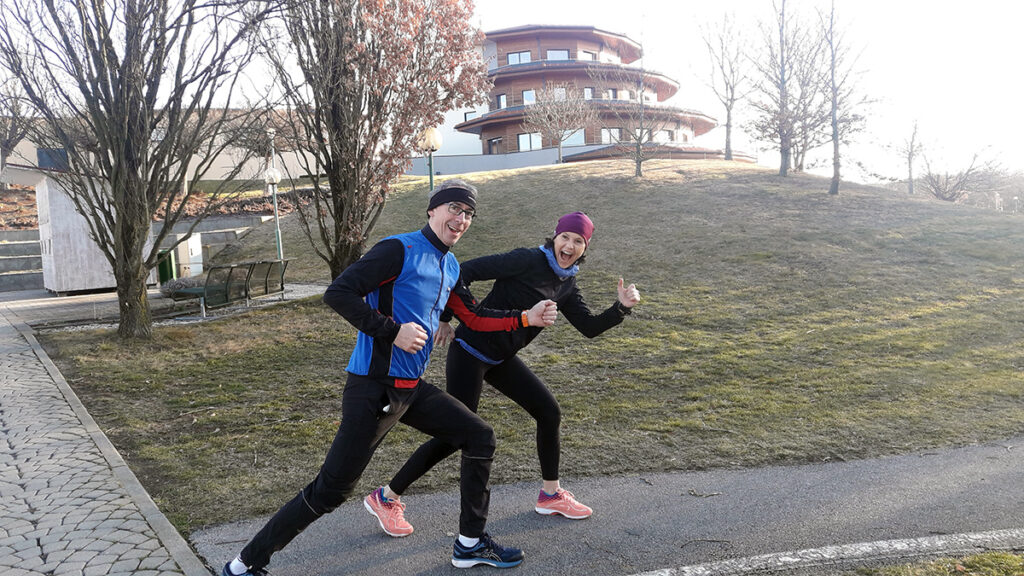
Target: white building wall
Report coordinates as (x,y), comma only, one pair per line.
(462,164)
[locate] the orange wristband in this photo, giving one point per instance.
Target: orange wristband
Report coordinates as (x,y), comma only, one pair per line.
(524,320)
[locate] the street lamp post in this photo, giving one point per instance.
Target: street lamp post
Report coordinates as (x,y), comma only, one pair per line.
(430,142)
(272,177)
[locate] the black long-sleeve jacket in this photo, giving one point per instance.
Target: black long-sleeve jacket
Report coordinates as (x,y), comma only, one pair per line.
(522,277)
(405,278)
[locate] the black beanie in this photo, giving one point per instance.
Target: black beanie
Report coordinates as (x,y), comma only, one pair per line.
(454,190)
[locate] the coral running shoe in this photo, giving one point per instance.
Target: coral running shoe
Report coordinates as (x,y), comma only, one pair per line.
(390,513)
(562,502)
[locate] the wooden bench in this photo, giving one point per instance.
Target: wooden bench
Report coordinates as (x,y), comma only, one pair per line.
(229,283)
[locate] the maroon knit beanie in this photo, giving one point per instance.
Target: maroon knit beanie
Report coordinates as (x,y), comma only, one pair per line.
(577,222)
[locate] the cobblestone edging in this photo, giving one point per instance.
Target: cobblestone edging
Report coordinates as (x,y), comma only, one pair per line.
(68,502)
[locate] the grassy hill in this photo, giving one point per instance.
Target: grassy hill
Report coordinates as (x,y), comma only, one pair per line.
(778,325)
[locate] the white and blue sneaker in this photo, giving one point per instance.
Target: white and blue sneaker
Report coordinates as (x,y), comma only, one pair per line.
(250,572)
(487,552)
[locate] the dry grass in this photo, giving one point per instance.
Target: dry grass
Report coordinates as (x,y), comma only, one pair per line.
(779,325)
(986,564)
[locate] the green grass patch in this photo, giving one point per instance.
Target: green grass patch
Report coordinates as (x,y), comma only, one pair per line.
(986,564)
(778,325)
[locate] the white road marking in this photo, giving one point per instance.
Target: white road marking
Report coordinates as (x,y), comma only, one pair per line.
(908,549)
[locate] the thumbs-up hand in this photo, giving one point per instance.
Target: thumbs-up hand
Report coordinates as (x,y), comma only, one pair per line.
(629,296)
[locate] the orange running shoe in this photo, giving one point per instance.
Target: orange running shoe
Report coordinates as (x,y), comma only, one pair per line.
(562,502)
(390,513)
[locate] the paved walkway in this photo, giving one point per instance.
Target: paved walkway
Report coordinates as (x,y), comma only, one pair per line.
(811,520)
(69,505)
(68,502)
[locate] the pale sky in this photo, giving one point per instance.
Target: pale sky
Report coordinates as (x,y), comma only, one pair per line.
(954,67)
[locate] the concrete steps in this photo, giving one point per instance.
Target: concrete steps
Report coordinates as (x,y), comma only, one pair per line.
(24,280)
(21,264)
(219,231)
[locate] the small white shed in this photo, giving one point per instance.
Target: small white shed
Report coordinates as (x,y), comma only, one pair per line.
(72,262)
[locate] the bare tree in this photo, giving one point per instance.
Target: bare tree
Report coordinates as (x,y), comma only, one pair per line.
(730,73)
(809,91)
(793,111)
(775,122)
(363,80)
(957,186)
(136,92)
(633,123)
(843,98)
(909,150)
(559,112)
(14,121)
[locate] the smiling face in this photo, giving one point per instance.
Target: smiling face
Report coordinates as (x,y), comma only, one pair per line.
(569,247)
(447,226)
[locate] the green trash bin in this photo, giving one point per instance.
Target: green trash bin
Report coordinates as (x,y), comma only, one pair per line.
(166,268)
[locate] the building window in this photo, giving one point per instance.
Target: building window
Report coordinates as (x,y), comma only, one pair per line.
(518,57)
(529,97)
(558,54)
(502,101)
(624,95)
(559,93)
(611,135)
(588,93)
(665,136)
(577,138)
(529,141)
(469,115)
(494,146)
(611,94)
(586,55)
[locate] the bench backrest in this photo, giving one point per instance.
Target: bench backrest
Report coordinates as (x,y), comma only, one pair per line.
(267,277)
(216,289)
(227,283)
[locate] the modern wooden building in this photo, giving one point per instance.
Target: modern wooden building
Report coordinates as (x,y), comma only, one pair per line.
(600,65)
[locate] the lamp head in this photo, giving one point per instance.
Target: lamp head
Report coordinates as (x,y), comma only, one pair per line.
(430,140)
(272,176)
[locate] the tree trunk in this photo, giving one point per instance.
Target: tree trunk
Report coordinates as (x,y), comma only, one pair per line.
(639,160)
(728,133)
(833,187)
(785,152)
(559,151)
(344,255)
(135,320)
(910,174)
(3,164)
(785,134)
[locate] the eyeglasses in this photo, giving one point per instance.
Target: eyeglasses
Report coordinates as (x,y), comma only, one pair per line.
(454,209)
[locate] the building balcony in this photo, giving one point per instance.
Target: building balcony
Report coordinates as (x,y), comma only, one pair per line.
(608,110)
(664,86)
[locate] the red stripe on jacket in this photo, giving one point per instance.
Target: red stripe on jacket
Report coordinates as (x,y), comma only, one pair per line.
(481,323)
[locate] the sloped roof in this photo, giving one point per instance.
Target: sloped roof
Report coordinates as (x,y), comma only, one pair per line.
(628,50)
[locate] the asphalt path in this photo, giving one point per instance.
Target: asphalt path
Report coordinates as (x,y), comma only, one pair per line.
(813,519)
